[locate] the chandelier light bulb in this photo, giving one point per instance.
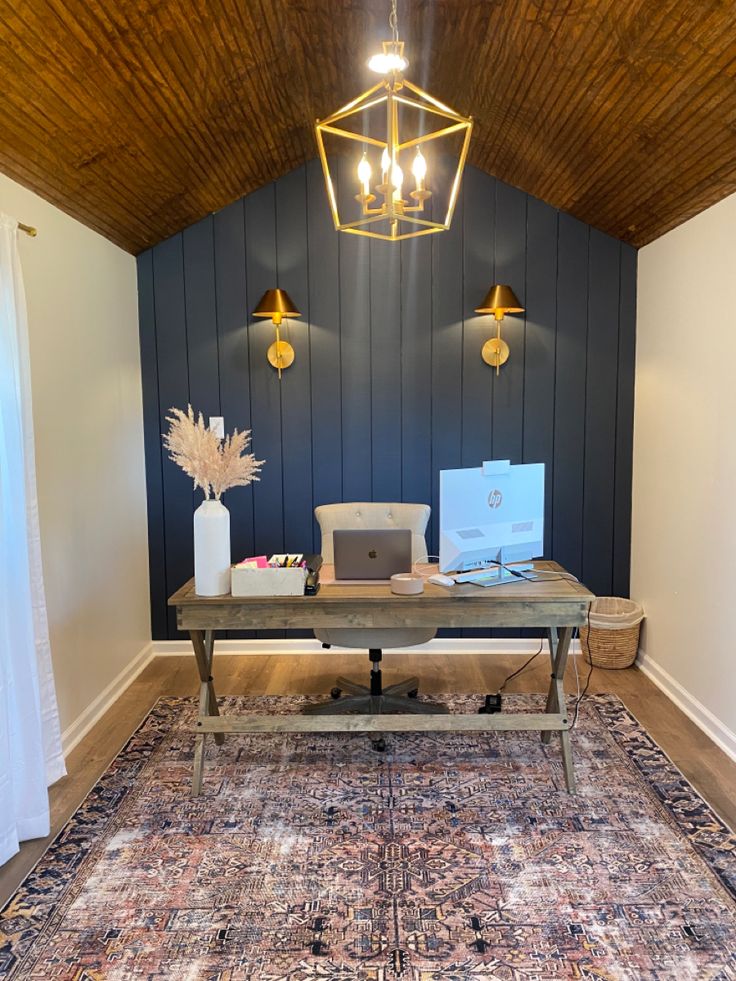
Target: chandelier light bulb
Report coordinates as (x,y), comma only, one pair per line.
(388,62)
(419,168)
(364,174)
(385,163)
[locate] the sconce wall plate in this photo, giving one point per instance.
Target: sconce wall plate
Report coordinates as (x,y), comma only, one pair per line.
(280,354)
(495,352)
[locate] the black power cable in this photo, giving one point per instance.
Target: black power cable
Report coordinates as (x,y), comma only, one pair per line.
(522,668)
(493,702)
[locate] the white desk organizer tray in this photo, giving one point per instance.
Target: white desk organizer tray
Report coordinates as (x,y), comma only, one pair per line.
(268,582)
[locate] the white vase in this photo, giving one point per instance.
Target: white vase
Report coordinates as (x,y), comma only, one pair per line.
(212,549)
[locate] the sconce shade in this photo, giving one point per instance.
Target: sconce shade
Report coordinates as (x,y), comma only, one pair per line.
(500,299)
(274,303)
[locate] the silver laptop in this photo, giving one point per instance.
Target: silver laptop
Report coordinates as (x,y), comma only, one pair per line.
(364,554)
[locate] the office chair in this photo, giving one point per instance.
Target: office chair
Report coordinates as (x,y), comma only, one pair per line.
(374,698)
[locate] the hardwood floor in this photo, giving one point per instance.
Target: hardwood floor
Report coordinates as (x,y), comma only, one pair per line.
(706,766)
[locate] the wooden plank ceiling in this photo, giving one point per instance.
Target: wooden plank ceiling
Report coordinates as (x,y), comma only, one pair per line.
(140,116)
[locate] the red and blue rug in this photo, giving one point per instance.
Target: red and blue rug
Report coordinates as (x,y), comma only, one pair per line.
(452,857)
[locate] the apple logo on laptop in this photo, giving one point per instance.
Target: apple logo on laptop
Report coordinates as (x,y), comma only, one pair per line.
(372,554)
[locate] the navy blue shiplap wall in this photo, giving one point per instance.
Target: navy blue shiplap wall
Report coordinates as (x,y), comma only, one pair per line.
(388,386)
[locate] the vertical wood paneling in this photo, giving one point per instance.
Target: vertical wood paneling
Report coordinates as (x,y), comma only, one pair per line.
(447,357)
(385,372)
(296,383)
(447,363)
(388,386)
(355,364)
(324,344)
(569,432)
(538,412)
(507,396)
(232,347)
(479,215)
(265,388)
(600,411)
(233,354)
(173,385)
(416,370)
(538,380)
(152,446)
(624,422)
(201,316)
(508,386)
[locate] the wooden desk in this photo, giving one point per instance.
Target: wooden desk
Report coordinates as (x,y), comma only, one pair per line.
(556,605)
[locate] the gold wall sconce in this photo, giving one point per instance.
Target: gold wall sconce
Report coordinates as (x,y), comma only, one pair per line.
(499,301)
(277,304)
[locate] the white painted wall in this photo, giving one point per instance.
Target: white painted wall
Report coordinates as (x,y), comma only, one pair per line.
(85,365)
(684,493)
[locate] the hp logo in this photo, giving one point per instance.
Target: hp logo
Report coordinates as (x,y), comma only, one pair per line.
(495,498)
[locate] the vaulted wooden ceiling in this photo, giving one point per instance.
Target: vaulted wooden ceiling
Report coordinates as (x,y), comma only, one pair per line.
(140,116)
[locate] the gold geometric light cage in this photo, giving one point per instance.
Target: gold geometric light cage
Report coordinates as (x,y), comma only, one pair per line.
(394,124)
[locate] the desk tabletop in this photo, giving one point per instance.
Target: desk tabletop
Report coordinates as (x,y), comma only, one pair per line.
(545,602)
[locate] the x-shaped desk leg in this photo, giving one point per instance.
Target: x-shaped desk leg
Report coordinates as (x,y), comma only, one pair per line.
(559,646)
(204,644)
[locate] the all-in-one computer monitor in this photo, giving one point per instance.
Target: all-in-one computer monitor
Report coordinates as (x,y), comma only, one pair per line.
(493,513)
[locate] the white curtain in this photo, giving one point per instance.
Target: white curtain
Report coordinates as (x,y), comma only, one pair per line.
(30,740)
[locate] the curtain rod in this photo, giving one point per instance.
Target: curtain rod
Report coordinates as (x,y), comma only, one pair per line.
(28,229)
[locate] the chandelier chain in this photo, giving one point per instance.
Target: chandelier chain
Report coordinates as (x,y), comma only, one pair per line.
(393,21)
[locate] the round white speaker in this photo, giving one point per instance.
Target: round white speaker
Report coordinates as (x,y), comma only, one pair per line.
(407,584)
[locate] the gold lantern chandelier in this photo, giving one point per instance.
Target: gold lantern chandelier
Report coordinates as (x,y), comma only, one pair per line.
(401,128)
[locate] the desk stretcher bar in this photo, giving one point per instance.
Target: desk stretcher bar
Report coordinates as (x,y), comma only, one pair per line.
(542,721)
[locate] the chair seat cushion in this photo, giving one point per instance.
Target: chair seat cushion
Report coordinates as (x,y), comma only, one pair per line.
(382,639)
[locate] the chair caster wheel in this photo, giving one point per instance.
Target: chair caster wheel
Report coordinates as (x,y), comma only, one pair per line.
(379,745)
(336,692)
(413,693)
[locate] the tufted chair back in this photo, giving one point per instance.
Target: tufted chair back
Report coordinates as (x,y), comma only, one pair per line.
(369,515)
(336,517)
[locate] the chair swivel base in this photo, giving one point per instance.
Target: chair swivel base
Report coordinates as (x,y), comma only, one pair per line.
(400,697)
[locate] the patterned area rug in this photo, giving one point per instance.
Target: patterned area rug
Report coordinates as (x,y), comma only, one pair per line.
(449,858)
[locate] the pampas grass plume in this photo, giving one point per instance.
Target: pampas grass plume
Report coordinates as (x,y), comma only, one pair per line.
(215,465)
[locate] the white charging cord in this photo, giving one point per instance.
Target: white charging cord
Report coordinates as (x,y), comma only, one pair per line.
(575,662)
(426,561)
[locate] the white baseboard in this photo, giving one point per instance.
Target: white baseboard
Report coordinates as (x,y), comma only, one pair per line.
(74,733)
(703,718)
(78,729)
(716,730)
(308,645)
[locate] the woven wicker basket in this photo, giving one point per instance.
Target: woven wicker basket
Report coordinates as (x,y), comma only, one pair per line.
(613,638)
